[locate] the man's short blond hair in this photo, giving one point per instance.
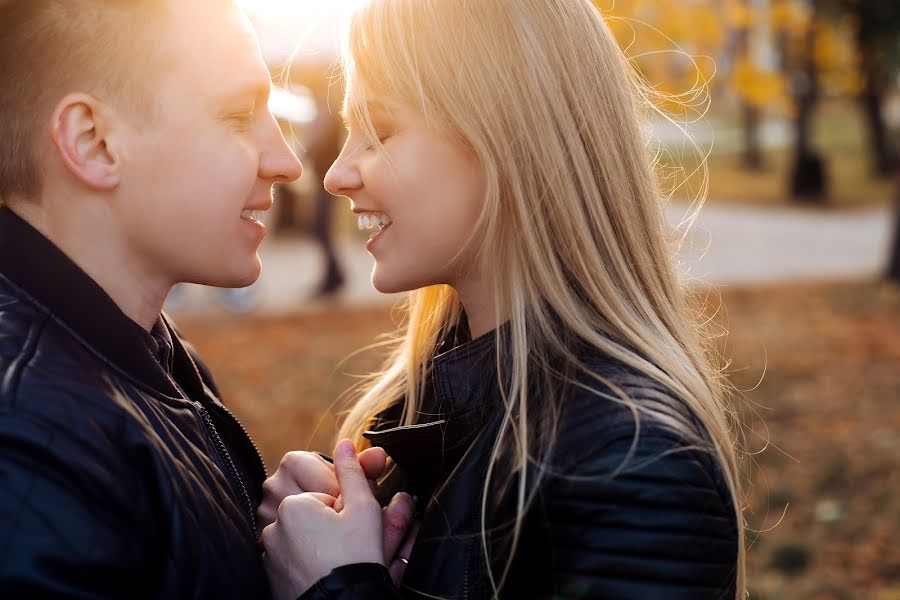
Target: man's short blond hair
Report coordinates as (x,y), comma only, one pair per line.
(49,48)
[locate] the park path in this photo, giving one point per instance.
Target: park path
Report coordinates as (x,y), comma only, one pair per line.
(727,245)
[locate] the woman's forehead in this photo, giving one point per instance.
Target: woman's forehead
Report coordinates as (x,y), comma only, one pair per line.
(357,104)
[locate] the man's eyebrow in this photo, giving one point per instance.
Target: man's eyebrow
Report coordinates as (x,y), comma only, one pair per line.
(259,90)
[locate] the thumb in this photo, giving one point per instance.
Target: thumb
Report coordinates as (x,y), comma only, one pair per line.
(351,479)
(397,517)
(373,461)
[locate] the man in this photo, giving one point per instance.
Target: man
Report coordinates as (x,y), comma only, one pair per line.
(136,151)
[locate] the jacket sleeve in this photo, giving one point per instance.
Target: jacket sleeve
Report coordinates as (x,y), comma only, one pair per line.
(364,581)
(69,520)
(642,522)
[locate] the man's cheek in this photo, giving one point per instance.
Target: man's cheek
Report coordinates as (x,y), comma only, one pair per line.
(238,167)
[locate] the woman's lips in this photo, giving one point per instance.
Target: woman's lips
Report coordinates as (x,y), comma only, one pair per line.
(377,236)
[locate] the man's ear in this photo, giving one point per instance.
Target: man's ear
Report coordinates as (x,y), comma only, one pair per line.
(80,130)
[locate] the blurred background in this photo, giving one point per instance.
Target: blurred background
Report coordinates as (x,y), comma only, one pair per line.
(785,116)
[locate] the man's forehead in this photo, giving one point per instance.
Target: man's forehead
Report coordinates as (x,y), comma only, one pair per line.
(214,46)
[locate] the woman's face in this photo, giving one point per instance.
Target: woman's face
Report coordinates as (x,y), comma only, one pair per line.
(425,188)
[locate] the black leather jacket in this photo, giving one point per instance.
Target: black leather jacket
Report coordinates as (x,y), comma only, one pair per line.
(119,478)
(662,527)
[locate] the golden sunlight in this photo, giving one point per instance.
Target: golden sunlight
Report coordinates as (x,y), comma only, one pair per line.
(310,28)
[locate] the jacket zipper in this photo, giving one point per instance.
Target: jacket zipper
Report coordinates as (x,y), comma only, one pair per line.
(224,409)
(231,470)
(466,571)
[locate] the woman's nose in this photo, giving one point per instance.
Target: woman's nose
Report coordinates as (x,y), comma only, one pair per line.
(343,178)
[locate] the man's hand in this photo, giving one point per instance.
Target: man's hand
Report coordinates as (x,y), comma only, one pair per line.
(301,472)
(309,538)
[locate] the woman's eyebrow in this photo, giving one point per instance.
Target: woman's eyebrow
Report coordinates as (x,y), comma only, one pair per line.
(374,108)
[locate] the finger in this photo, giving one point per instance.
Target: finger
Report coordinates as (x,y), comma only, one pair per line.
(307,472)
(267,537)
(323,498)
(373,462)
(397,517)
(277,488)
(339,503)
(295,510)
(351,479)
(398,566)
(265,516)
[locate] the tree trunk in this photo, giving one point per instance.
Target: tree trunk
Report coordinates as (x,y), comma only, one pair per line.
(808,178)
(752,157)
(873,42)
(893,272)
(871,101)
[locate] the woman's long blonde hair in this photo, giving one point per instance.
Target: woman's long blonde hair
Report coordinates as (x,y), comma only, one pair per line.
(572,221)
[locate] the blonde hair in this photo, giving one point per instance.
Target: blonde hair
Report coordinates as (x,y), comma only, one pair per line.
(572,223)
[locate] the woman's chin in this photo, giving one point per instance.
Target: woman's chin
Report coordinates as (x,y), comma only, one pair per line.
(389,285)
(386,288)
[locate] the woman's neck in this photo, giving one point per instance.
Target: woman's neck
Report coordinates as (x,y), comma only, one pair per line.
(477,299)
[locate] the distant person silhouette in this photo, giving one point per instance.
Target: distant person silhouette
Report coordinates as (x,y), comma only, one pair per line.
(323,148)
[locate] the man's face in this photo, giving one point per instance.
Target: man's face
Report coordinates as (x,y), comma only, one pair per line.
(210,152)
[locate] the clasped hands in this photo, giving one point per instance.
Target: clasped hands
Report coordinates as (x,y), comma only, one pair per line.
(316,516)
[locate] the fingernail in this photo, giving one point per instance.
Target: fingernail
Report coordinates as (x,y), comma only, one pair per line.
(347,449)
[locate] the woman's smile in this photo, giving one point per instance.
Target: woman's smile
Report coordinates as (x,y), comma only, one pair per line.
(370,220)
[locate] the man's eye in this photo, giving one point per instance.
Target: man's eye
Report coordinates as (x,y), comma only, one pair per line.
(243,119)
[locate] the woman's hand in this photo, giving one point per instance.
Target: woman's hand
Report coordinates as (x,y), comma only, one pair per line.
(301,472)
(309,538)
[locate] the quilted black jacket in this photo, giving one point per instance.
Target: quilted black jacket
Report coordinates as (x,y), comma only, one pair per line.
(119,478)
(654,524)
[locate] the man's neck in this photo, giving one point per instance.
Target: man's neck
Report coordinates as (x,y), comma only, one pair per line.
(98,250)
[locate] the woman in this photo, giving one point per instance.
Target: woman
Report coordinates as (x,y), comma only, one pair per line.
(550,399)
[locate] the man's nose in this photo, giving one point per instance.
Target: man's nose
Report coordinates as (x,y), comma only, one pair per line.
(278,161)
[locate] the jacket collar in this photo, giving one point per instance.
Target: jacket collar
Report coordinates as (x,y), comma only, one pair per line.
(465,374)
(53,281)
(463,379)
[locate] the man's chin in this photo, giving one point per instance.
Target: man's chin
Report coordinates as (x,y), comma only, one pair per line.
(231,279)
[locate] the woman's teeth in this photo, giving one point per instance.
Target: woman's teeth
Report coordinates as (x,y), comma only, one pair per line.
(252,215)
(370,220)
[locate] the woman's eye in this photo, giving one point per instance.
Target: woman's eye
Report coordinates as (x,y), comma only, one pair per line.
(382,138)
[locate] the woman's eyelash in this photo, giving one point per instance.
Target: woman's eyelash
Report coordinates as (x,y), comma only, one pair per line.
(382,138)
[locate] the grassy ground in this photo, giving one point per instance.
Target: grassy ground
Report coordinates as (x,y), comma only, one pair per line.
(819,366)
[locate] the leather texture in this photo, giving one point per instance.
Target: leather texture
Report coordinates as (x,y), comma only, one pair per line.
(118,477)
(614,516)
